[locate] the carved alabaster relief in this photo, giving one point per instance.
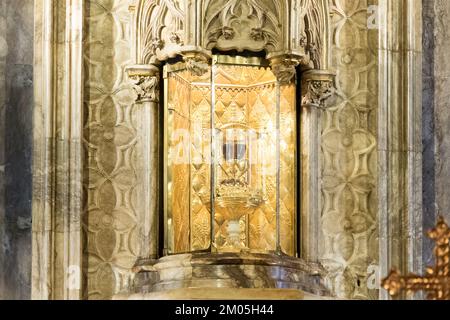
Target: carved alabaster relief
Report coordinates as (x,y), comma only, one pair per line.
(197,61)
(244,25)
(145,80)
(317,87)
(284,67)
(285,72)
(197,66)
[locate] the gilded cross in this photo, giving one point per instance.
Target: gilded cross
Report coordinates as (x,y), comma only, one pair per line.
(436,282)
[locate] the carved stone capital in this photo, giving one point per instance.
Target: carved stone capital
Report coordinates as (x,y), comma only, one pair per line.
(317,87)
(145,79)
(284,67)
(197,66)
(197,61)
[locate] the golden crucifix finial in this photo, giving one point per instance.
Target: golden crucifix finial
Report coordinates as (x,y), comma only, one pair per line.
(436,282)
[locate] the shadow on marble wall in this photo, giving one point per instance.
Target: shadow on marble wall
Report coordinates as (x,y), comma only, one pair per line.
(436,116)
(16,107)
(428,131)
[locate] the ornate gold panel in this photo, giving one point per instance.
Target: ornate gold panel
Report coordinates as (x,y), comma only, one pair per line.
(288,162)
(200,165)
(178,179)
(242,94)
(188,111)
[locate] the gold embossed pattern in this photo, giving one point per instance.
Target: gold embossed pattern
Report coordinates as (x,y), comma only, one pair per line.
(288,176)
(200,166)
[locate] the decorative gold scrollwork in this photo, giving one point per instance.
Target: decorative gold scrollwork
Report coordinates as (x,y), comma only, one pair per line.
(436,282)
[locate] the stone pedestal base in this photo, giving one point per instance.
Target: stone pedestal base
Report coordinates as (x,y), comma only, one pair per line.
(225,276)
(217,294)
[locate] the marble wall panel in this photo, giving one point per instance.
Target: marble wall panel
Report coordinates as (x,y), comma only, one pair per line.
(16,104)
(349,232)
(428,126)
(109,141)
(436,116)
(442,105)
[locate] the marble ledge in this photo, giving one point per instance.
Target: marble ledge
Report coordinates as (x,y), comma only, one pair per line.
(224,294)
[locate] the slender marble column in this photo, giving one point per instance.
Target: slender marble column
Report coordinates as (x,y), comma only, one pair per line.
(317,87)
(147,116)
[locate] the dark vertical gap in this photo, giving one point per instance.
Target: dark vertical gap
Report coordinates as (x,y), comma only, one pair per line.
(428,129)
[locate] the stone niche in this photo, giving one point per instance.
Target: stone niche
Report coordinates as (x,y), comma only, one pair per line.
(220,101)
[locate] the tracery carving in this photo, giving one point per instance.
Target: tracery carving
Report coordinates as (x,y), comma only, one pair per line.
(349,211)
(314,31)
(161,29)
(243,24)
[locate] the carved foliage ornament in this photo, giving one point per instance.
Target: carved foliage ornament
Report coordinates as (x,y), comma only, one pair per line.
(285,70)
(146,87)
(197,65)
(317,90)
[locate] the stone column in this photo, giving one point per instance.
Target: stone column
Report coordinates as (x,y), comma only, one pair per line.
(399,140)
(146,79)
(58,157)
(317,87)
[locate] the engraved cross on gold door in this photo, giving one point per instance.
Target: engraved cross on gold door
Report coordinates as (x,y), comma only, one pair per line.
(436,282)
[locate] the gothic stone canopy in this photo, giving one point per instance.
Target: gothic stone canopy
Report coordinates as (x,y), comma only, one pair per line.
(292,31)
